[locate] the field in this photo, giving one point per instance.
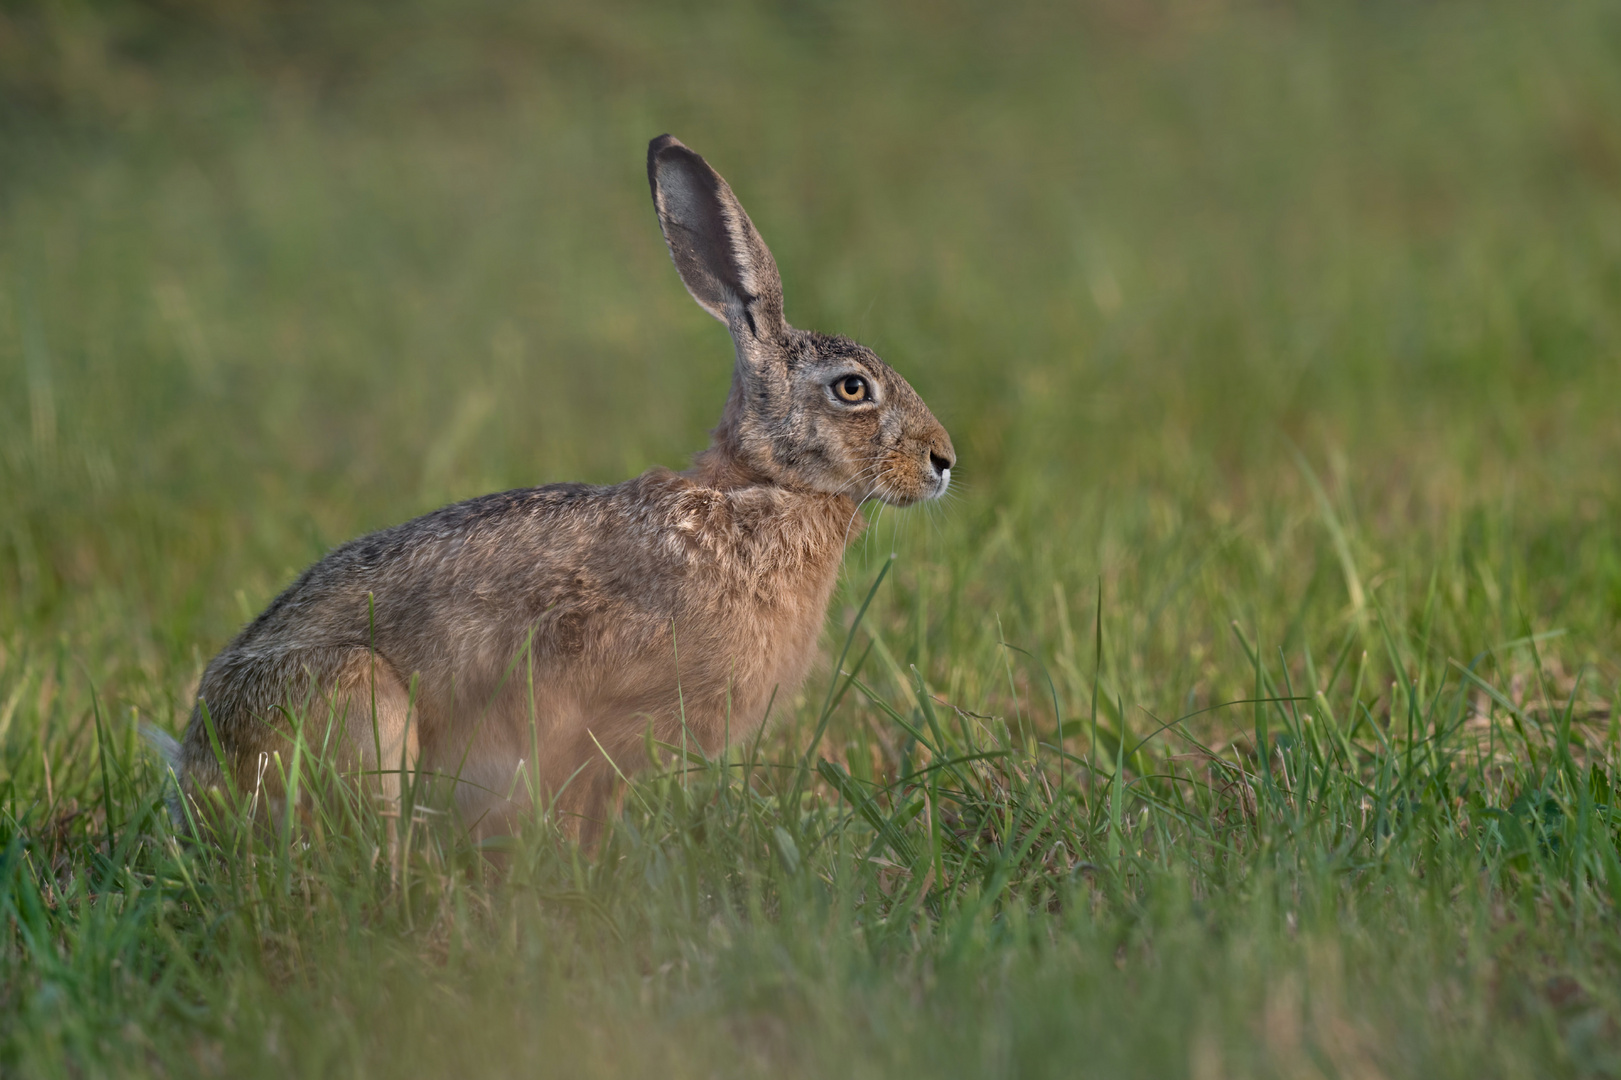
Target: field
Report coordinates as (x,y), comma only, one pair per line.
(1252,709)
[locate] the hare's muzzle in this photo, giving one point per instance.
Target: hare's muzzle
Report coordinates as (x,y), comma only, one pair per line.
(941,464)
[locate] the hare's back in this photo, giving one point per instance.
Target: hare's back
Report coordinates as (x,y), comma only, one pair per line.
(570,561)
(471,553)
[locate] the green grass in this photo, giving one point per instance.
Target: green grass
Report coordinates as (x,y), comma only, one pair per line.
(1253,710)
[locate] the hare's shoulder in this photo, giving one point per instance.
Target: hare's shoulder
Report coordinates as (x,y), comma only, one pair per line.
(742,526)
(686,503)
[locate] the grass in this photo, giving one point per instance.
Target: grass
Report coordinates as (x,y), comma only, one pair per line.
(1252,711)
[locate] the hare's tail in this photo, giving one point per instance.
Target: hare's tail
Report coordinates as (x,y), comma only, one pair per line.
(167,747)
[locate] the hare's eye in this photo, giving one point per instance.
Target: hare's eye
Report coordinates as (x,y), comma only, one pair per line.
(851,388)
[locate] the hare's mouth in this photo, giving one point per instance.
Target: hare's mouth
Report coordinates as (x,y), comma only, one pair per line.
(909,485)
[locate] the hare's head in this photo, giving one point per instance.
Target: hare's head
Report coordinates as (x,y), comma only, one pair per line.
(806,410)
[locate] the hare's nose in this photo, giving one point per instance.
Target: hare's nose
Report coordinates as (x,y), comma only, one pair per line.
(942,463)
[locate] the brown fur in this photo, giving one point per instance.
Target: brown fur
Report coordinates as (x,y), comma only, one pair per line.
(671,599)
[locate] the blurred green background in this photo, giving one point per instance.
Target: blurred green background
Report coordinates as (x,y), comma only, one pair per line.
(1301,315)
(275,273)
(272,274)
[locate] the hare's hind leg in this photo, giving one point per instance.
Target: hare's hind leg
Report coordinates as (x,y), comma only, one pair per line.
(346,710)
(365,708)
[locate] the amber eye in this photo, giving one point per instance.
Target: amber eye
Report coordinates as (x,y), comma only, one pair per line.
(851,388)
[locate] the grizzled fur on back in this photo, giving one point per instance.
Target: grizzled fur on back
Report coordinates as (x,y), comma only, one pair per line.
(519,644)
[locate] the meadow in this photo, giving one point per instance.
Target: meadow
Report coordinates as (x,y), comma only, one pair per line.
(1251,709)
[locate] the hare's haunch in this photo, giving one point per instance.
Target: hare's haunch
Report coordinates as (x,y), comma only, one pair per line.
(595,592)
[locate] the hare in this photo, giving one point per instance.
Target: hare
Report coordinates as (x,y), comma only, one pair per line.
(519,644)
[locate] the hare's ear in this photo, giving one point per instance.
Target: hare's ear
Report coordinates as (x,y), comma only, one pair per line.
(721,259)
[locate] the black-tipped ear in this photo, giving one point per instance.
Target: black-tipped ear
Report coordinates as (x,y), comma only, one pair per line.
(719,255)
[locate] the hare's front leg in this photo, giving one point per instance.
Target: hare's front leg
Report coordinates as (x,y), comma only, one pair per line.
(561,757)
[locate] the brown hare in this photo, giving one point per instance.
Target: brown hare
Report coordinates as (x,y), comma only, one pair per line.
(520,644)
